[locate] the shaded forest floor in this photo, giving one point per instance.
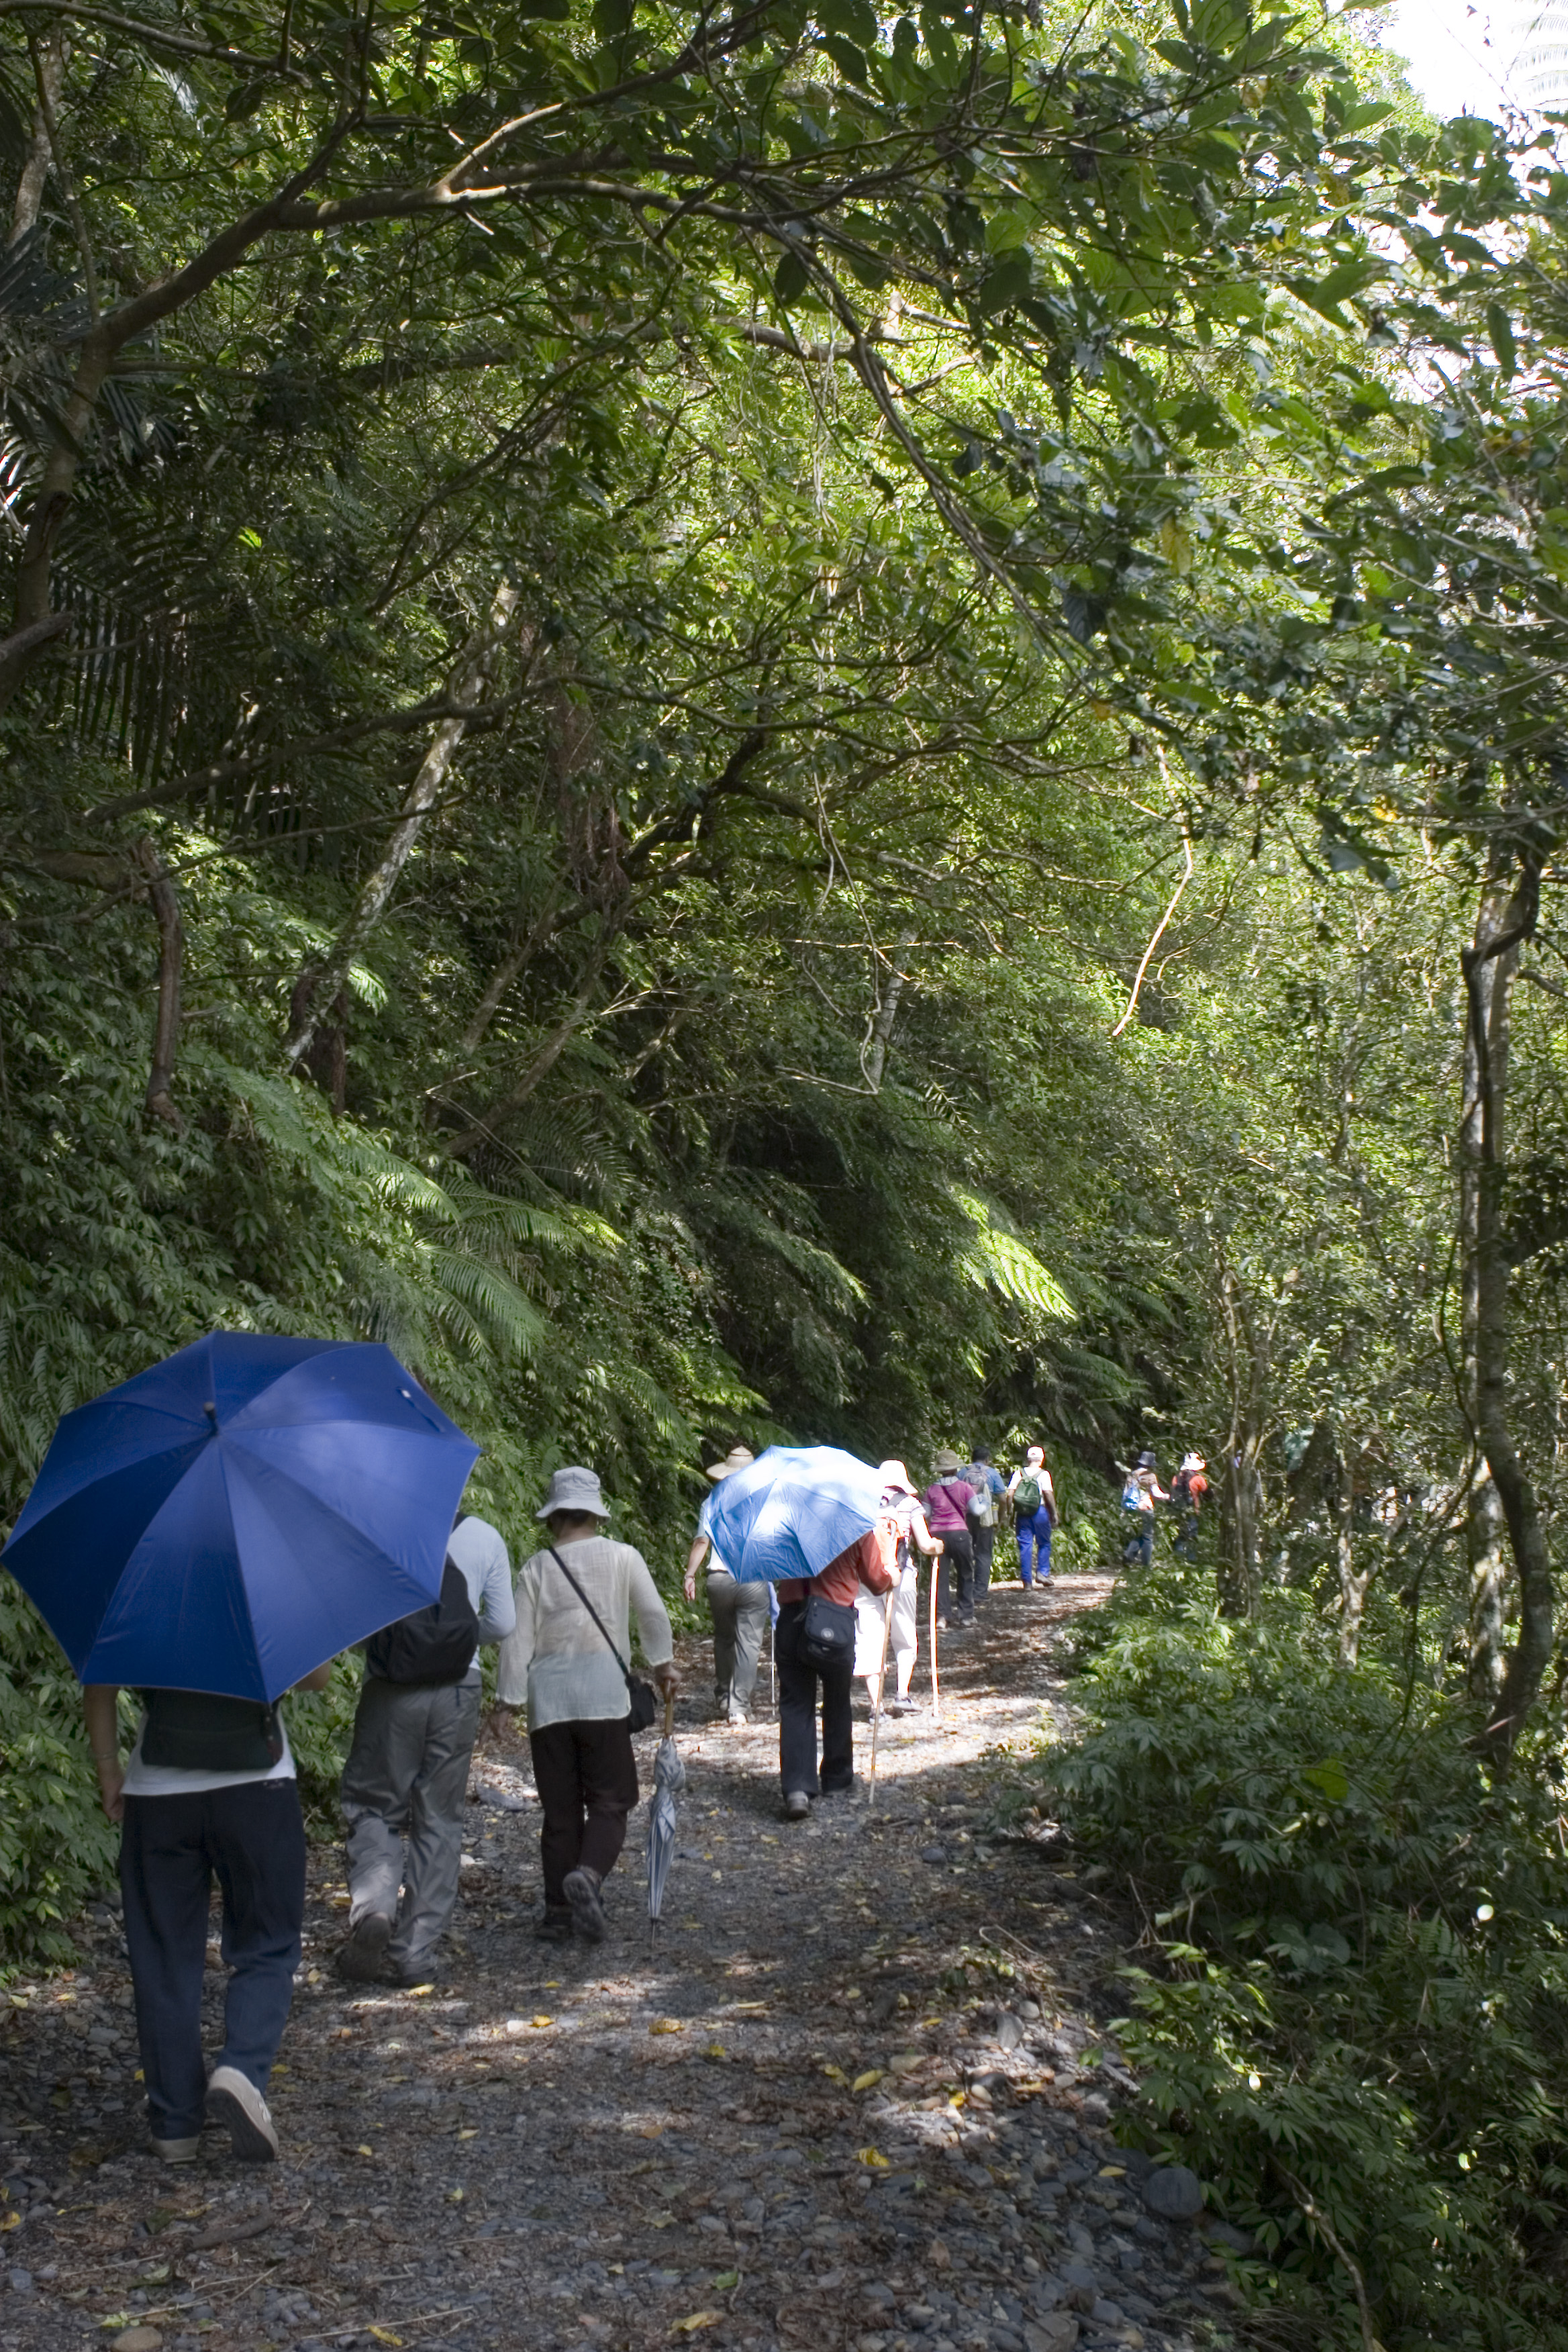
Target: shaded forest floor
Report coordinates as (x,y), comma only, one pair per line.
(859,2096)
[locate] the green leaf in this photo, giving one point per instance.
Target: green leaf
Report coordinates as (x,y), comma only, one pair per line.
(790,278)
(1500,326)
(1007,282)
(1329,1778)
(856,19)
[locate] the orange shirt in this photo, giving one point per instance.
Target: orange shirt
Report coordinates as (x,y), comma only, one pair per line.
(843,1577)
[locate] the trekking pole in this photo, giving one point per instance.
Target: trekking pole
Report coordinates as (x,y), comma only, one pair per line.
(935,1686)
(877,1712)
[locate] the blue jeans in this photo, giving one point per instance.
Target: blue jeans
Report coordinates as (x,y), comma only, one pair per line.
(252,1839)
(1140,1544)
(1035,1532)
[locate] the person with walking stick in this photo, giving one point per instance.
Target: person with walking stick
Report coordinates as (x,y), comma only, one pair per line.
(895,1625)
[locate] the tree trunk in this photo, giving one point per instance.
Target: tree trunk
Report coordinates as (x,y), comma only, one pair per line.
(161,891)
(1240,1478)
(1352,1581)
(880,1035)
(1505,920)
(52,53)
(319,984)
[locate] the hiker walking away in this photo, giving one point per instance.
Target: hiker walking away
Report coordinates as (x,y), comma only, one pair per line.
(947,1515)
(902,1505)
(1139,1497)
(209,1791)
(406,1779)
(738,1611)
(1034,1501)
(1188,1488)
(814,1645)
(988,1491)
(567,1661)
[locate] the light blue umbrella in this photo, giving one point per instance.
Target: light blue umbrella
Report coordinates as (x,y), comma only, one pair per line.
(790,1511)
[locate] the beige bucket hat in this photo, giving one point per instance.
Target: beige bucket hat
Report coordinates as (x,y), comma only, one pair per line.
(739,1457)
(574,1489)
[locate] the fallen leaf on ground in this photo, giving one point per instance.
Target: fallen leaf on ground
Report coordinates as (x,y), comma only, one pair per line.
(696,2319)
(539,2022)
(668,2025)
(867,2080)
(725,2281)
(873,2156)
(383,2336)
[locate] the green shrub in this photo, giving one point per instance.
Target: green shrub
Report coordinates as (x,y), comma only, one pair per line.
(56,1844)
(1357,1995)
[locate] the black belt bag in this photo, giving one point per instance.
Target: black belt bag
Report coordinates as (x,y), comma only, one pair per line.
(828,1633)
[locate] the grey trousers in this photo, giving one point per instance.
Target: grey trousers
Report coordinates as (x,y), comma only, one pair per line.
(407,1777)
(739,1612)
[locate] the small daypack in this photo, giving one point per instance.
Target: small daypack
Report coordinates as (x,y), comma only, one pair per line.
(202,1731)
(430,1647)
(1132,1495)
(1027,1494)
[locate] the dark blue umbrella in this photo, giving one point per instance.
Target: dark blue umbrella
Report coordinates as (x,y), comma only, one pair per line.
(232,1517)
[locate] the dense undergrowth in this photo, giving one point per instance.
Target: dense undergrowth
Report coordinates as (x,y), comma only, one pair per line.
(1348,2008)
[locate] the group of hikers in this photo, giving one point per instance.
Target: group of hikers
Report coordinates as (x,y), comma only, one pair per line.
(208,1788)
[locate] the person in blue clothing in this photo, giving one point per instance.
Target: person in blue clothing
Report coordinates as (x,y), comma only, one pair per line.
(989,1488)
(1034,1515)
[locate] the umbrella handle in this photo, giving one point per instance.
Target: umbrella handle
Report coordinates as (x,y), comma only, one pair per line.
(668,1713)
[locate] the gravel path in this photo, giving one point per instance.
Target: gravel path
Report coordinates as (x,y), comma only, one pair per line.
(859,2097)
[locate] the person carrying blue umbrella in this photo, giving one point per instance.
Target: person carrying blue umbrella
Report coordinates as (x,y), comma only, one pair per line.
(210,1535)
(809,1520)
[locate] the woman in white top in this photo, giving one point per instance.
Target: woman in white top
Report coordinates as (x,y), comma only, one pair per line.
(560,1663)
(902,1636)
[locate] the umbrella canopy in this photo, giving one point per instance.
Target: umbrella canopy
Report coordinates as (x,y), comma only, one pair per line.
(241,1512)
(796,1508)
(668,1780)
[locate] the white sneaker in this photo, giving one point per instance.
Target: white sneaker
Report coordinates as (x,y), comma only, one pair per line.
(175,2151)
(234,2101)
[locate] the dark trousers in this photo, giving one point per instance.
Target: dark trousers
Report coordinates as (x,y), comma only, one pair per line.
(799,1683)
(252,1840)
(985,1542)
(586,1777)
(958,1568)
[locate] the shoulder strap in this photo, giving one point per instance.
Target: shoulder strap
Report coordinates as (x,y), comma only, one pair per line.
(555,1556)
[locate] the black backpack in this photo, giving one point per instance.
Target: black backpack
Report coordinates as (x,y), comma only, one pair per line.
(201,1731)
(430,1647)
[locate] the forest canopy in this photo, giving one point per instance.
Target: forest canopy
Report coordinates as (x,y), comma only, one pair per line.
(810,722)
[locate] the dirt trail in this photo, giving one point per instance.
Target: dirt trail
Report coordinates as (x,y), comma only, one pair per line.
(858,2097)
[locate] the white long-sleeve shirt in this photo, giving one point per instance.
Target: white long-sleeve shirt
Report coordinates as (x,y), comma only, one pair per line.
(481,1554)
(556,1658)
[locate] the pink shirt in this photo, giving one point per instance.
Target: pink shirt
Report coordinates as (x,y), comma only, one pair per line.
(947,1506)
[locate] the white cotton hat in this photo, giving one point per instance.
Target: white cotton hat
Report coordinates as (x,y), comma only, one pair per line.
(895,1479)
(1034,1453)
(739,1457)
(574,1489)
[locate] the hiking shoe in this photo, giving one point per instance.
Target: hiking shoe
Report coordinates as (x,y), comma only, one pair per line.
(555,1927)
(903,1705)
(175,2151)
(235,2103)
(798,1805)
(580,1887)
(363,1960)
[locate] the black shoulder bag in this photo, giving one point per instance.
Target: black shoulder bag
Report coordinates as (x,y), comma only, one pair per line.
(643,1710)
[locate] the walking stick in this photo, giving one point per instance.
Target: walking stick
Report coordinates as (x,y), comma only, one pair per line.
(877,1717)
(935,1686)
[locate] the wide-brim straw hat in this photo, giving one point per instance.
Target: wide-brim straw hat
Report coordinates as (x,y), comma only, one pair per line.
(895,1479)
(739,1457)
(947,1462)
(573,1489)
